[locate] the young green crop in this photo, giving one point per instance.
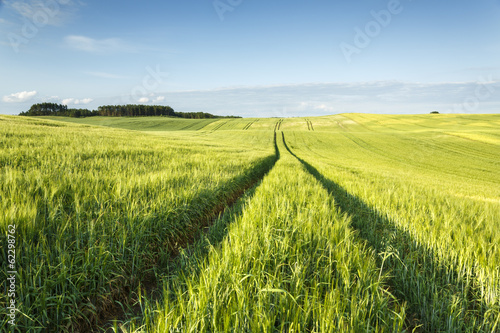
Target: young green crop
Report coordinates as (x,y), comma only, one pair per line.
(289,263)
(155,124)
(97,209)
(428,199)
(379,222)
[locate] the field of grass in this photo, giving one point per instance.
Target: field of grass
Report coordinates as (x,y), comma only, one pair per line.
(97,210)
(352,222)
(159,124)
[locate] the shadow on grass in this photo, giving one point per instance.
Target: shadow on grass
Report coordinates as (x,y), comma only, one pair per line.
(209,230)
(215,226)
(438,298)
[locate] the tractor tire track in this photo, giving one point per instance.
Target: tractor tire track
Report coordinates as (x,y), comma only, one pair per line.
(219,126)
(277,126)
(150,286)
(247,126)
(416,264)
(309,125)
(356,208)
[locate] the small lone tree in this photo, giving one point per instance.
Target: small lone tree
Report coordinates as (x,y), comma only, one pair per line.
(434,112)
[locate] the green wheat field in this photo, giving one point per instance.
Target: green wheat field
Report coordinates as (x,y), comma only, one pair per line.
(343,223)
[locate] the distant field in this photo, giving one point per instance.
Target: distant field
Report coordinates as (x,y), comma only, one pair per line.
(141,123)
(482,124)
(352,222)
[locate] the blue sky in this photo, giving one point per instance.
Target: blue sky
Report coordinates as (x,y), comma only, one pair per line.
(253,58)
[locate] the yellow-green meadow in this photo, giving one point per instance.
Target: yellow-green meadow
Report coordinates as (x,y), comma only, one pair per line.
(351,223)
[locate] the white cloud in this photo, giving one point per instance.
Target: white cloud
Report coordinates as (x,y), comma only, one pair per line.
(39,12)
(74,101)
(22,96)
(159,99)
(143,100)
(51,99)
(324,107)
(315,106)
(92,45)
(86,101)
(316,99)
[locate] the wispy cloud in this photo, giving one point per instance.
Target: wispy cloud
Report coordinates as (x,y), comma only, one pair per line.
(317,99)
(105,75)
(54,13)
(74,101)
(19,97)
(51,99)
(91,45)
(317,106)
(482,69)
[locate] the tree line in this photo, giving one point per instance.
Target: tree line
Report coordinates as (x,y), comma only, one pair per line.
(129,110)
(53,109)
